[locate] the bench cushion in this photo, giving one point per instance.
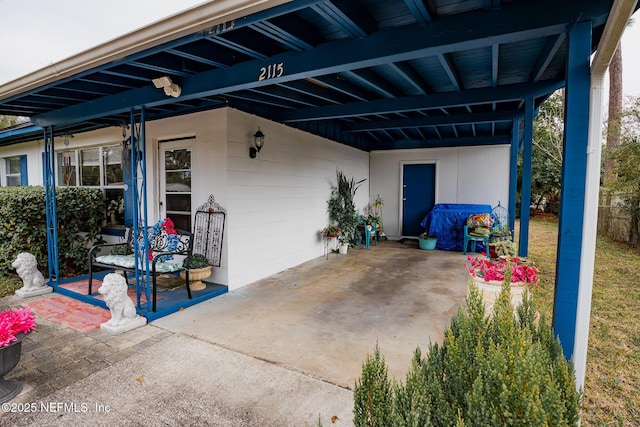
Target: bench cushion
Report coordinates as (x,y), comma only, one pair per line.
(128,261)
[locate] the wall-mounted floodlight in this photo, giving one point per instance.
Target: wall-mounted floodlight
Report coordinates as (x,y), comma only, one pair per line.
(170,88)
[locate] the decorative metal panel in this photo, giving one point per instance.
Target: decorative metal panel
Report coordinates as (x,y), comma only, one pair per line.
(209,231)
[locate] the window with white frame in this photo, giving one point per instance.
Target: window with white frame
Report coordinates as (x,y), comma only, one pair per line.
(96,167)
(15,171)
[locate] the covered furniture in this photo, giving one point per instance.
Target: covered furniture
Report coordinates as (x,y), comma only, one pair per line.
(447,221)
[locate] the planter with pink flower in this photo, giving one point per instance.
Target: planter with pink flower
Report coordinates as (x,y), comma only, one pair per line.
(15,324)
(489,276)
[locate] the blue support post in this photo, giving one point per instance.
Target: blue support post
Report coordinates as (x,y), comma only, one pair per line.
(574,166)
(143,191)
(525,192)
(50,203)
(513,174)
(138,178)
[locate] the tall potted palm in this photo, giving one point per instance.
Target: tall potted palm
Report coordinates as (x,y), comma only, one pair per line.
(341,207)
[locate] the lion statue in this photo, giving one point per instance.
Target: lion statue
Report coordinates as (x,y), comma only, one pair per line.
(26,266)
(114,289)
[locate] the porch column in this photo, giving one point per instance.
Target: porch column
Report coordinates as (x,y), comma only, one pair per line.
(525,192)
(513,173)
(574,162)
(48,169)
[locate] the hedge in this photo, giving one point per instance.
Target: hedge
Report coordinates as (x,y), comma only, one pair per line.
(502,370)
(80,213)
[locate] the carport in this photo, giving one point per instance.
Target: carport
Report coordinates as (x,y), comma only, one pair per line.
(323,317)
(374,75)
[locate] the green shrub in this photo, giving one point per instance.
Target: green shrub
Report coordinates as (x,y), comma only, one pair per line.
(498,370)
(80,212)
(372,394)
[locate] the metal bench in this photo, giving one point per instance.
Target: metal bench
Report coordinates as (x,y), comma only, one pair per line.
(162,251)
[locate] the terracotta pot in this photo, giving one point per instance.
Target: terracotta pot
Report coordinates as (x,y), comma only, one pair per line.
(195,277)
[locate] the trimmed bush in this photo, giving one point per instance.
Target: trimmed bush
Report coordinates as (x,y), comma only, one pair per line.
(80,212)
(501,370)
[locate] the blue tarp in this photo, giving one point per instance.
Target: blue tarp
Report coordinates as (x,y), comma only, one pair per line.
(447,220)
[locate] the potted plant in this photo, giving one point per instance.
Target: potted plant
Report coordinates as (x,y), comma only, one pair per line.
(199,268)
(331,231)
(427,241)
(501,248)
(343,248)
(15,324)
(341,207)
(488,276)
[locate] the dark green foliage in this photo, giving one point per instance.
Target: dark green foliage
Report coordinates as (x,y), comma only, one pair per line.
(341,207)
(372,394)
(80,212)
(195,261)
(490,370)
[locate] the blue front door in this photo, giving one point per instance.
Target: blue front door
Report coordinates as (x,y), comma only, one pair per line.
(418,196)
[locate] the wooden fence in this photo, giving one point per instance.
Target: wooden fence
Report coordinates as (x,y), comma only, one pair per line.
(614,223)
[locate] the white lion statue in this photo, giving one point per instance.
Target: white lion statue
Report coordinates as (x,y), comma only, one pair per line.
(26,266)
(123,312)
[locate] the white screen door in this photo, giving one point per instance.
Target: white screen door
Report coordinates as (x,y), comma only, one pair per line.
(175,181)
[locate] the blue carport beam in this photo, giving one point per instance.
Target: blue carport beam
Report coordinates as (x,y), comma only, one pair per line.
(574,164)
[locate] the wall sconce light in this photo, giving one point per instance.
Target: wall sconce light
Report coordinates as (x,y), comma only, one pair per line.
(170,88)
(258,143)
(66,139)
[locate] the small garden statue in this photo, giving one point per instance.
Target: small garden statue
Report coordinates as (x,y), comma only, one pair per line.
(123,312)
(26,266)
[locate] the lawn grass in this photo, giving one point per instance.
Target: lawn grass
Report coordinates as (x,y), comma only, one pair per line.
(8,285)
(612,385)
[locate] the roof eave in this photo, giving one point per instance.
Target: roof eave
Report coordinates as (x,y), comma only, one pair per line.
(199,18)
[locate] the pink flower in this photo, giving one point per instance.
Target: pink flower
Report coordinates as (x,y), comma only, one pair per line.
(13,322)
(521,271)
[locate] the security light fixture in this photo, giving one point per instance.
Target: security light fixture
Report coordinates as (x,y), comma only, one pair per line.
(170,88)
(258,143)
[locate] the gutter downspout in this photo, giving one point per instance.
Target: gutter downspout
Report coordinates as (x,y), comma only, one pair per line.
(621,12)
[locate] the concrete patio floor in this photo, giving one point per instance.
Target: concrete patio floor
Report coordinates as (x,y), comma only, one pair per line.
(283,351)
(323,317)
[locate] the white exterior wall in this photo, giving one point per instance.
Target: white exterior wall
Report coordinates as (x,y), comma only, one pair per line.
(33,151)
(209,165)
(278,201)
(463,175)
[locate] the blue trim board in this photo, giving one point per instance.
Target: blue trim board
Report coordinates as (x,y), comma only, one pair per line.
(24,172)
(171,301)
(162,311)
(574,165)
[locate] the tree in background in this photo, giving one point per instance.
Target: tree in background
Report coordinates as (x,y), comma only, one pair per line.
(7,121)
(626,158)
(548,130)
(614,119)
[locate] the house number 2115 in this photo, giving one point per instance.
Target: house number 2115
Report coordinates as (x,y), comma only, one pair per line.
(271,71)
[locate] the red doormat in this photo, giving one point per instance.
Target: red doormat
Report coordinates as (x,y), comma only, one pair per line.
(74,314)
